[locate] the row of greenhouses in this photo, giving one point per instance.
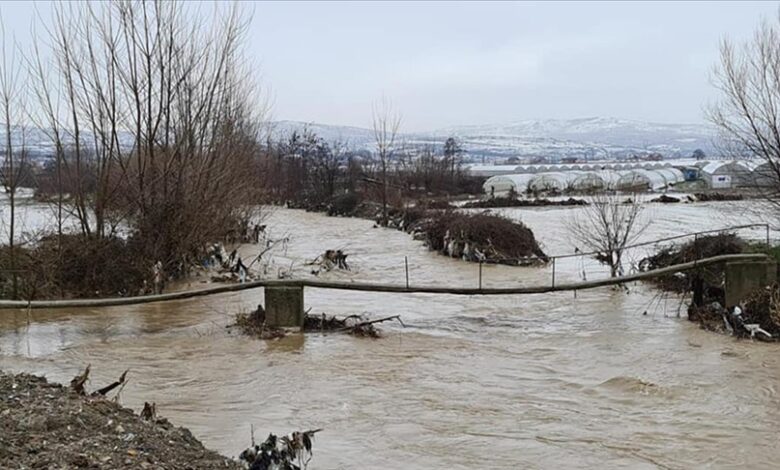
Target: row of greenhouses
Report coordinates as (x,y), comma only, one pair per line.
(496,170)
(597,180)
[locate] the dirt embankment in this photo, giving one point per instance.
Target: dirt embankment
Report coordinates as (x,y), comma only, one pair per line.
(47,426)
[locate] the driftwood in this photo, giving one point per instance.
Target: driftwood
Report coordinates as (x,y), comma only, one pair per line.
(149,413)
(371,322)
(77,383)
(366,328)
(103,391)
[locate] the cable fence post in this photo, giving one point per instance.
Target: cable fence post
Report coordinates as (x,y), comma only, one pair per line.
(406,265)
(767,235)
(480,274)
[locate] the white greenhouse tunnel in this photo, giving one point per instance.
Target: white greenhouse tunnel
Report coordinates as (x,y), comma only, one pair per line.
(634,179)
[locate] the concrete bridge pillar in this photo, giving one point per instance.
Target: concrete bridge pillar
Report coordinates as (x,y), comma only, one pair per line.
(284,306)
(743,277)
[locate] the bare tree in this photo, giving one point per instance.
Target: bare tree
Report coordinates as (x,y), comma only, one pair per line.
(748,113)
(385,123)
(452,154)
(607,226)
(12,109)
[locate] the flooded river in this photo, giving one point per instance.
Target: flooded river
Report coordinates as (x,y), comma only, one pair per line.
(606,379)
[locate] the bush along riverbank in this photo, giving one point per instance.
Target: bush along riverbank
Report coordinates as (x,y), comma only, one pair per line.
(484,237)
(757,317)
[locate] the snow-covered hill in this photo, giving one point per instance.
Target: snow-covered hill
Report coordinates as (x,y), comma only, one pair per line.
(588,138)
(554,138)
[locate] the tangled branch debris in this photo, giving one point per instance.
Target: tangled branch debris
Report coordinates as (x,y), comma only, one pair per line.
(293,452)
(253,324)
(329,260)
(77,384)
(762,308)
(758,317)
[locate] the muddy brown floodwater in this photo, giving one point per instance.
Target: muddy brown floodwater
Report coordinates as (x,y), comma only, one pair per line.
(537,381)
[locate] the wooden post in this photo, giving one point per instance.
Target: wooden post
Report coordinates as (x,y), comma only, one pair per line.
(480,274)
(406,265)
(553,273)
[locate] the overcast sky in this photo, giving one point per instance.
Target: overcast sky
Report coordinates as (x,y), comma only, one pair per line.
(444,63)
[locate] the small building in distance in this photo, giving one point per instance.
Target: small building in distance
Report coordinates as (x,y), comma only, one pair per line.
(727,174)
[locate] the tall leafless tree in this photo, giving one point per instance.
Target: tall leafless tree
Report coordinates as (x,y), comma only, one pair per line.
(12,108)
(155,114)
(386,123)
(607,226)
(748,113)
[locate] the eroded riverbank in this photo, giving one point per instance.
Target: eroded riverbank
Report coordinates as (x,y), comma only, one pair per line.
(46,425)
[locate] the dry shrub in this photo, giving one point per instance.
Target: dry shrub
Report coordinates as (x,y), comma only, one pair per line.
(82,267)
(501,240)
(344,204)
(703,247)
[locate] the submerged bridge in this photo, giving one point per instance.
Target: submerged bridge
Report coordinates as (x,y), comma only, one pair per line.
(284,299)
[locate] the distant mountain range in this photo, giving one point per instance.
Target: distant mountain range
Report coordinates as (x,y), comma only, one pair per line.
(554,139)
(587,138)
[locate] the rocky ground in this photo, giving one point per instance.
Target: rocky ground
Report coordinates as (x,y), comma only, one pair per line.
(48,426)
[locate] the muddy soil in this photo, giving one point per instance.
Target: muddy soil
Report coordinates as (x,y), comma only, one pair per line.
(48,426)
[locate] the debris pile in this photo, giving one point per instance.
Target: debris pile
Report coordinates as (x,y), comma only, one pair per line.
(356,325)
(758,317)
(762,308)
(664,199)
(329,260)
(253,324)
(45,425)
(707,197)
(483,238)
(293,452)
(514,202)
